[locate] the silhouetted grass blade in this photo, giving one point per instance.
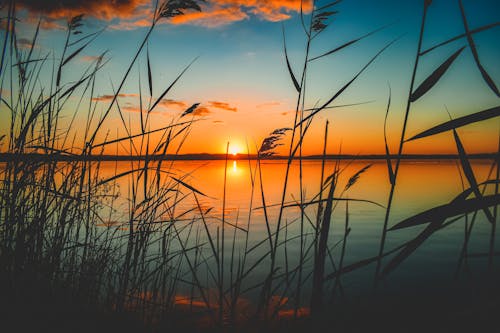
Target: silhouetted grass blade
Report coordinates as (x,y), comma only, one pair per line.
(360,264)
(459,122)
(412,246)
(469,173)
(390,170)
(290,71)
(150,76)
(117,176)
(140,134)
(72,55)
(171,85)
(430,81)
(487,78)
(188,186)
(480,29)
(341,47)
(341,90)
(328,5)
(451,209)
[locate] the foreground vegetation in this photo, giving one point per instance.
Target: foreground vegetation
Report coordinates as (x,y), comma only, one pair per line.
(163,265)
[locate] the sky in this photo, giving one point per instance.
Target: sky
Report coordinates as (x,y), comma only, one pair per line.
(241,80)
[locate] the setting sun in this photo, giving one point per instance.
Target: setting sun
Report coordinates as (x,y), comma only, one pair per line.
(234,149)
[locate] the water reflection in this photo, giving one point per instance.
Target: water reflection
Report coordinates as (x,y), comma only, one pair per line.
(421,185)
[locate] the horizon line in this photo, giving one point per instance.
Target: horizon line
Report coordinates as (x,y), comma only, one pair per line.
(6,157)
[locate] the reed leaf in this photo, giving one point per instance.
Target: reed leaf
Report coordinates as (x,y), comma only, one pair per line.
(343,46)
(469,173)
(392,178)
(189,187)
(459,122)
(150,76)
(171,85)
(289,66)
(454,208)
(480,29)
(412,246)
(333,3)
(139,135)
(487,78)
(341,90)
(432,79)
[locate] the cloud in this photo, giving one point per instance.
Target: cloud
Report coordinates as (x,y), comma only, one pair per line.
(268,104)
(222,106)
(89,58)
(135,109)
(24,43)
(176,105)
(109,98)
(101,9)
(130,14)
(201,111)
(173,104)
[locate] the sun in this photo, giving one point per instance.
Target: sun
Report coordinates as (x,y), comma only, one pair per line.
(234,149)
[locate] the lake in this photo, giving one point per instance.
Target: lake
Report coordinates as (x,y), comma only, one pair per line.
(421,185)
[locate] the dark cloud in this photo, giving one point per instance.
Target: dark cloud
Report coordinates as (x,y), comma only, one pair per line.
(131,14)
(109,98)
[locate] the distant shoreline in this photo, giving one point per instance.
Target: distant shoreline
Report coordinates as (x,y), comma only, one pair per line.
(6,157)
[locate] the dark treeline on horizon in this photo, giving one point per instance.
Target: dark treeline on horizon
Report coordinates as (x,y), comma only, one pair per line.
(6,157)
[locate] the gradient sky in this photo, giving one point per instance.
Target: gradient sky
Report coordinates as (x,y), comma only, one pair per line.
(241,79)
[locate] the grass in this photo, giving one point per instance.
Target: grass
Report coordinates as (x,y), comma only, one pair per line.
(167,264)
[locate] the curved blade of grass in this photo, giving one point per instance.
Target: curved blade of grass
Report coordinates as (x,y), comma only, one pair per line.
(361,264)
(341,90)
(189,186)
(150,76)
(348,43)
(469,173)
(392,178)
(314,202)
(333,3)
(480,29)
(451,209)
(140,134)
(489,81)
(459,122)
(290,71)
(171,85)
(432,79)
(74,54)
(412,246)
(33,42)
(120,175)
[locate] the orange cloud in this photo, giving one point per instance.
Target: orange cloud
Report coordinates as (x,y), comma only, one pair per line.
(201,111)
(130,14)
(171,103)
(268,104)
(223,106)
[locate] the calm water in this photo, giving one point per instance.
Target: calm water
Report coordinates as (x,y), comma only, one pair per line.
(421,185)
